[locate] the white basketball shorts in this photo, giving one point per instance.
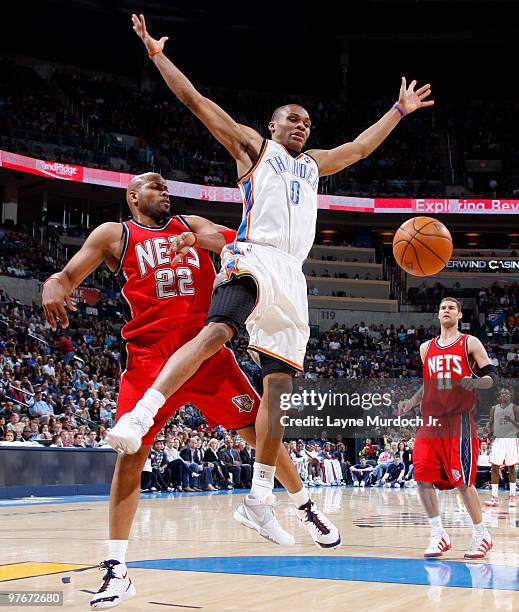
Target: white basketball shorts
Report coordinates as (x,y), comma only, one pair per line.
(278,325)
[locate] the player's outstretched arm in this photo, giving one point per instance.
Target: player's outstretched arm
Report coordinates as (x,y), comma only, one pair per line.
(242,144)
(103,244)
(206,234)
(334,160)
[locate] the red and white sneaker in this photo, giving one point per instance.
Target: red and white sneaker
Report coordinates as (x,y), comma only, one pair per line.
(438,544)
(116,588)
(493,501)
(512,501)
(479,546)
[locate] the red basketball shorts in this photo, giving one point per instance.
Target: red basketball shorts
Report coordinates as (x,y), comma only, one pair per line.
(219,389)
(447,454)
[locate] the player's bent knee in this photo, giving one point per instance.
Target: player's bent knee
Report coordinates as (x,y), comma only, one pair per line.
(215,335)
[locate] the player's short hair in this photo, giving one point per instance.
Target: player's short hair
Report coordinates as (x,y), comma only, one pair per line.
(280,109)
(451,299)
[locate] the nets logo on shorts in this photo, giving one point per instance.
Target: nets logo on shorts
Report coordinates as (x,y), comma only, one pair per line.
(244,403)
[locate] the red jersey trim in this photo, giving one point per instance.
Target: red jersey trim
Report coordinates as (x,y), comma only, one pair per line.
(469,360)
(182,220)
(429,342)
(126,241)
(448,345)
(152,228)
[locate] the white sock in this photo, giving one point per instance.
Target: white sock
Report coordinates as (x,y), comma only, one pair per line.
(495,490)
(300,498)
(262,480)
(513,488)
(151,402)
(436,524)
(117,550)
(479,529)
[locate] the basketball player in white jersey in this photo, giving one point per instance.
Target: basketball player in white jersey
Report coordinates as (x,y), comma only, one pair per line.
(261,284)
(504,426)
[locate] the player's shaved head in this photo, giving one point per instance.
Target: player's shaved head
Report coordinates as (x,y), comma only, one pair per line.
(287,109)
(139,180)
(148,199)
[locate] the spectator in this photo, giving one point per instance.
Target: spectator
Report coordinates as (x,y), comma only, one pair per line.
(394,476)
(484,467)
(211,456)
(340,455)
(383,461)
(40,406)
(79,441)
(232,464)
(361,472)
(201,477)
(67,349)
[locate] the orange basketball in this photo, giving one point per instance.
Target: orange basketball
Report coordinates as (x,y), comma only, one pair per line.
(422,246)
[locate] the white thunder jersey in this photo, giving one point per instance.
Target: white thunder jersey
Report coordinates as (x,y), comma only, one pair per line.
(274,238)
(505,447)
(503,428)
(280,201)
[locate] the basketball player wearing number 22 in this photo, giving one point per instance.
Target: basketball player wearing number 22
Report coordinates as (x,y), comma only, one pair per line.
(447,445)
(261,285)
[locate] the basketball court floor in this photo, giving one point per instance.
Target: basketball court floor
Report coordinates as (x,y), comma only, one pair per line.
(187,553)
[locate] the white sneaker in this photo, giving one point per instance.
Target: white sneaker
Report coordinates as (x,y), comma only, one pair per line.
(116,587)
(362,483)
(512,501)
(126,436)
(318,481)
(324,533)
(479,546)
(355,483)
(261,516)
(438,544)
(493,501)
(387,485)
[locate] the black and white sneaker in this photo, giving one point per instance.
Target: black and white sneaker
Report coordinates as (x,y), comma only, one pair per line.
(324,533)
(116,588)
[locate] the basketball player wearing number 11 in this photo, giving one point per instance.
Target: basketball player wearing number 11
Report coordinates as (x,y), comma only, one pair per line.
(261,284)
(445,454)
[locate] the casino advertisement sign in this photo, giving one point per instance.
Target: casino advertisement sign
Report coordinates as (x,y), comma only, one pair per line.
(483,265)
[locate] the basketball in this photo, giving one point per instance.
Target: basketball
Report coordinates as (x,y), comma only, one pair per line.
(422,246)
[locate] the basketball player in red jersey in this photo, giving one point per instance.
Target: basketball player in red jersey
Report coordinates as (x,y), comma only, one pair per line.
(168,301)
(261,285)
(447,446)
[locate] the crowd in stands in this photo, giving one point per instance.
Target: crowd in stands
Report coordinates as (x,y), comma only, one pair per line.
(22,257)
(60,388)
(100,121)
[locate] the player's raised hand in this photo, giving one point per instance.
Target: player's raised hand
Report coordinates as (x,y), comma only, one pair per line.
(152,45)
(54,296)
(180,245)
(411,100)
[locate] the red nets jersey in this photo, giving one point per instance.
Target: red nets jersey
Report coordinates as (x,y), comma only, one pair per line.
(443,366)
(162,297)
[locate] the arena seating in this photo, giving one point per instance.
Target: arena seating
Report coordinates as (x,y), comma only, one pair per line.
(107,122)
